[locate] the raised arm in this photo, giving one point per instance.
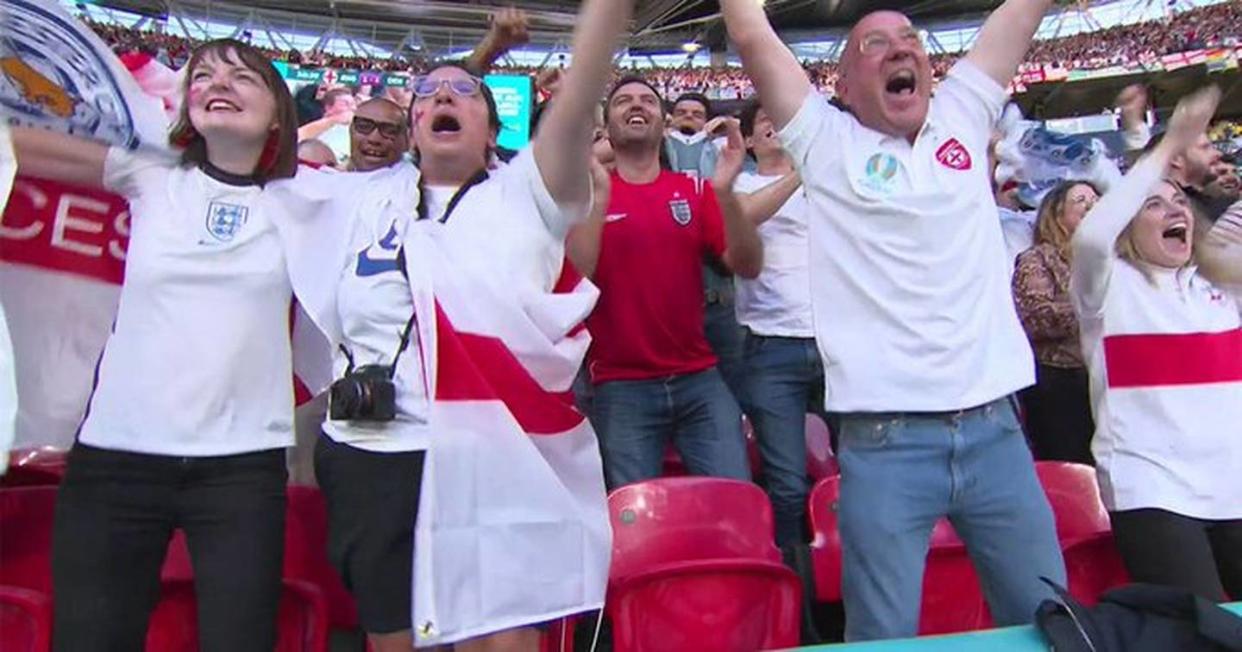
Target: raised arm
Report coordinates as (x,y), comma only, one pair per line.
(507,29)
(1005,38)
(585,238)
(562,148)
(1095,241)
(759,206)
(51,155)
(781,82)
(743,248)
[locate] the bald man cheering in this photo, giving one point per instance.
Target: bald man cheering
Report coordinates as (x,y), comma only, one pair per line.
(921,345)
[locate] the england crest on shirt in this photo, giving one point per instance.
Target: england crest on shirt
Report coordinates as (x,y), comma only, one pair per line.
(680,210)
(225,220)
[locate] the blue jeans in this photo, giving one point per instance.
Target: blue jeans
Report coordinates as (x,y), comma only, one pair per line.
(902,472)
(784,380)
(636,418)
(723,333)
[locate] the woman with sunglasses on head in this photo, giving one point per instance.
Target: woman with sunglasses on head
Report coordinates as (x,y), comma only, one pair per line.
(193,404)
(1162,343)
(510,222)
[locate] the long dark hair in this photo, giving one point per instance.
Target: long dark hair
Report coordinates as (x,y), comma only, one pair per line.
(279,159)
(1048,227)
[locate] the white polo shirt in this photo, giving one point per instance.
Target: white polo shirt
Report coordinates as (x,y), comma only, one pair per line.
(910,280)
(199,362)
(778,302)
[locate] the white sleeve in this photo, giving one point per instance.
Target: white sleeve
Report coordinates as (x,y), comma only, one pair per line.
(127,173)
(1094,244)
(813,122)
(523,182)
(972,99)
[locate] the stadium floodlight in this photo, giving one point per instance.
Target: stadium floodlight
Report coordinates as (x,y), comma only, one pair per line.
(690,46)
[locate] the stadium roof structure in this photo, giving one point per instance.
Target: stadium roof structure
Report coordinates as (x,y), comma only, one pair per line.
(440,26)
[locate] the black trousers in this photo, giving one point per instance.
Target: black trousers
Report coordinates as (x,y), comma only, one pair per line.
(115,514)
(1160,547)
(1058,415)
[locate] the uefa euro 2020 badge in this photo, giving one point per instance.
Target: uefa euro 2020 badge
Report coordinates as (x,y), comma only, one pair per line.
(880,173)
(52,75)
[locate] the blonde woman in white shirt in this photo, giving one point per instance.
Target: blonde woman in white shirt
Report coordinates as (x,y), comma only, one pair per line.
(1163,345)
(193,400)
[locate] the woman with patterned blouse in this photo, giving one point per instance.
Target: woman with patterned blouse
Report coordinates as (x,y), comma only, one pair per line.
(1058,407)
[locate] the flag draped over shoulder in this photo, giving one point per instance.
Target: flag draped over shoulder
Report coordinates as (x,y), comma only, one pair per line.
(513,527)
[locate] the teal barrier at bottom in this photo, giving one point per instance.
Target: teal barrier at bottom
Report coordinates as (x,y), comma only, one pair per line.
(1009,639)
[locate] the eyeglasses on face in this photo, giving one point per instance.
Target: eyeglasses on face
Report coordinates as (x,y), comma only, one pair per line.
(425,86)
(879,44)
(365,126)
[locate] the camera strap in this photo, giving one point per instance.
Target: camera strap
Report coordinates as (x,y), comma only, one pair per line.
(474,180)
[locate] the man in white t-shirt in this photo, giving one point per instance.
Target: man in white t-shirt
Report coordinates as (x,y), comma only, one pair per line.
(920,341)
(782,375)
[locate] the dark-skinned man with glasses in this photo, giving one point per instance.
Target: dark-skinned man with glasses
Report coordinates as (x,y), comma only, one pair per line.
(379,135)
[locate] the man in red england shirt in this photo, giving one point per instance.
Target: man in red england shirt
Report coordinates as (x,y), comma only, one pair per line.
(654,373)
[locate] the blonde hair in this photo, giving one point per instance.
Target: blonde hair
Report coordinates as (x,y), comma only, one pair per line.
(1048,226)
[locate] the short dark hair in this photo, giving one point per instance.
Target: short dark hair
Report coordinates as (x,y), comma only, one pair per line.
(695,97)
(632,79)
(280,155)
(748,116)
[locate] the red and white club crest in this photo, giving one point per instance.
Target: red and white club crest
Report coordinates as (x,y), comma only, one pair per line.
(953,154)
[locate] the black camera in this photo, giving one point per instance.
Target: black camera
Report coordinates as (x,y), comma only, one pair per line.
(364,394)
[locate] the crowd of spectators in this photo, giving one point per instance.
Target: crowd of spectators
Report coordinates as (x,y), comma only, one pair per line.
(1204,27)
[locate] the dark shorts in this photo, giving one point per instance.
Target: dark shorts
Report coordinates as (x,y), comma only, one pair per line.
(372,503)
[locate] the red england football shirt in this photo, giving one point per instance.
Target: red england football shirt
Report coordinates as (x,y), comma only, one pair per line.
(649,319)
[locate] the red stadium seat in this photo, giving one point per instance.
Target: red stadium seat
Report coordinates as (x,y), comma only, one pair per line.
(25,620)
(694,566)
(301,626)
(34,467)
(952,598)
(306,554)
(820,462)
(26,537)
(1091,558)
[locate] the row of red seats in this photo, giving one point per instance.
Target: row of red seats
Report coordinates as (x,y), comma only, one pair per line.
(694,567)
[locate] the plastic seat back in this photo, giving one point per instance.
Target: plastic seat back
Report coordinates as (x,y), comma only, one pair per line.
(680,519)
(1092,562)
(25,620)
(301,622)
(26,516)
(306,553)
(952,598)
(820,462)
(695,567)
(34,468)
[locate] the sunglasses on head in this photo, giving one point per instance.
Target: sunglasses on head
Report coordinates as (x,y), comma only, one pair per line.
(365,126)
(425,86)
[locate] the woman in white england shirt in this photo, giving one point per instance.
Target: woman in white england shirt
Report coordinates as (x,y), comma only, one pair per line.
(1163,345)
(510,222)
(193,400)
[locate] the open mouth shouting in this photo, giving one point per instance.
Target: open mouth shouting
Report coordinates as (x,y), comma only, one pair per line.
(445,124)
(901,84)
(1177,234)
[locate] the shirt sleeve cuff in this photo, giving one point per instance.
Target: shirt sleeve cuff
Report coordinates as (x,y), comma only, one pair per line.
(557,217)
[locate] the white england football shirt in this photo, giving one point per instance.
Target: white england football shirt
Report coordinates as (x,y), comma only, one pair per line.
(199,360)
(778,302)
